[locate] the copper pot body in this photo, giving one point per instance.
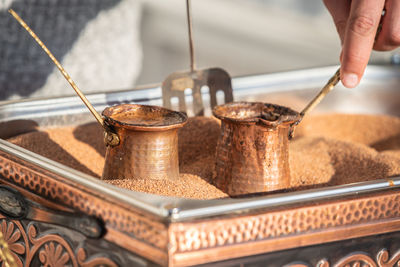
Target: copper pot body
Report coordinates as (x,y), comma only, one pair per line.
(148,147)
(253,148)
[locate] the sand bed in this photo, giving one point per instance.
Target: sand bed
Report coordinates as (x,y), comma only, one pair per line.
(327,150)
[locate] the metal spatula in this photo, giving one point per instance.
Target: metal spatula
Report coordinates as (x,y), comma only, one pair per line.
(176,83)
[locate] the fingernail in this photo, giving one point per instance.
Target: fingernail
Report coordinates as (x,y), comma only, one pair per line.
(350,80)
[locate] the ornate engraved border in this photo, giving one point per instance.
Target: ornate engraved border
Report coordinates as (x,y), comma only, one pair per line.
(275,230)
(359,258)
(149,233)
(51,249)
(218,238)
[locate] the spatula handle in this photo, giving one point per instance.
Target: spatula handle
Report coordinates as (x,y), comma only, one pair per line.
(190,31)
(325,90)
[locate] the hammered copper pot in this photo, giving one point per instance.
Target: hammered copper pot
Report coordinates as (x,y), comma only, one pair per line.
(148,146)
(252,152)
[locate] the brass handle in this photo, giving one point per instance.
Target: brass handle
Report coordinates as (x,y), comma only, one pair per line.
(111,138)
(325,90)
(190,32)
(316,100)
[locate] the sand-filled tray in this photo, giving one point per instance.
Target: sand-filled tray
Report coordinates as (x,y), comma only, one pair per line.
(345,167)
(331,149)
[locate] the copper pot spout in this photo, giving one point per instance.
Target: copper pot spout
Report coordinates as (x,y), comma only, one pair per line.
(148,146)
(252,152)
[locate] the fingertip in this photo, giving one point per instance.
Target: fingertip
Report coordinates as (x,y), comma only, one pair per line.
(349,80)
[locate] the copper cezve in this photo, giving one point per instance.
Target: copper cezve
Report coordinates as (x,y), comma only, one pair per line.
(148,146)
(252,152)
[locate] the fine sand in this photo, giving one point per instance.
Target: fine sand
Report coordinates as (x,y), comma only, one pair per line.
(327,150)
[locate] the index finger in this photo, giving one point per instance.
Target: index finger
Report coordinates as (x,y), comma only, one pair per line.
(359,39)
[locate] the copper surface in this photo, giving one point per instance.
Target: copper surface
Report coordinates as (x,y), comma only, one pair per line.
(148,145)
(275,230)
(252,152)
(216,238)
(51,248)
(126,226)
(359,258)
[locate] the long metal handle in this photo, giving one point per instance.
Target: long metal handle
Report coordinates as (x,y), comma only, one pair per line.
(190,31)
(333,80)
(111,138)
(325,90)
(62,70)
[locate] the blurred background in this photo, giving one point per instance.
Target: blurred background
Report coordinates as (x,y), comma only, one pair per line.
(244,37)
(109,45)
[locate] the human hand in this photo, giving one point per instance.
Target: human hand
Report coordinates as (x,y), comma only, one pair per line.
(357,22)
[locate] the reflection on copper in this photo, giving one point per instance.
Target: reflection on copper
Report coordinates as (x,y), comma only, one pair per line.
(148,145)
(252,152)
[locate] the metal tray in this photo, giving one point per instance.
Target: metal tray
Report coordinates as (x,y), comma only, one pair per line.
(180,227)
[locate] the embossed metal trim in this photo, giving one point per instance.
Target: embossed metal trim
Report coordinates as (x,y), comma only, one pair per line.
(268,231)
(359,258)
(216,238)
(133,225)
(51,249)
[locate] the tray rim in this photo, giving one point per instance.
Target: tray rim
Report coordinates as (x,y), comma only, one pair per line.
(175,209)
